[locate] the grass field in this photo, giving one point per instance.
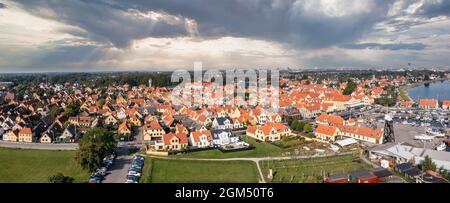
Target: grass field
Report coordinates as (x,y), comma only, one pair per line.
(35,166)
(261,150)
(311,170)
(187,171)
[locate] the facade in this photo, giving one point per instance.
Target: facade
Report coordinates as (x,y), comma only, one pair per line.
(223,137)
(428,103)
(327,133)
(110,120)
(26,135)
(222,123)
(269,132)
(200,138)
(175,142)
(124,128)
(71,134)
(153,131)
(446,104)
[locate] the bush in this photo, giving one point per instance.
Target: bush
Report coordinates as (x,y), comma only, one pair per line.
(60,178)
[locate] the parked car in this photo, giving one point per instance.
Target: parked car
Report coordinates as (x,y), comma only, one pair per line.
(94,180)
(132,178)
(131,181)
(101,171)
(134,173)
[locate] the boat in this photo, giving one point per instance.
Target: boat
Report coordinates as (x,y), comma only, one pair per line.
(423,138)
(435,132)
(441,147)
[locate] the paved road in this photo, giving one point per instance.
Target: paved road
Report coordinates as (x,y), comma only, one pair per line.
(43,146)
(118,171)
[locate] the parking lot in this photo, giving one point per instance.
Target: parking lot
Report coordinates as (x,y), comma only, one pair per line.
(124,168)
(406,133)
(118,171)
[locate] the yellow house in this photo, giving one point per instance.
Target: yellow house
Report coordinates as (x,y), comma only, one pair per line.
(25,135)
(13,136)
(269,132)
(175,142)
(326,132)
(154,130)
(135,121)
(124,128)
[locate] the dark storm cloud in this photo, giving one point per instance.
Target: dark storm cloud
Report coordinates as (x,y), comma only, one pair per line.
(284,21)
(406,18)
(435,8)
(392,47)
(289,21)
(107,22)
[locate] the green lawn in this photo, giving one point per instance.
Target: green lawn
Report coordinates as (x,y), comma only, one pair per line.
(187,171)
(35,166)
(311,170)
(261,150)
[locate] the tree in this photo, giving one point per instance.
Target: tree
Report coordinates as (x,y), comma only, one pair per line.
(55,111)
(294,125)
(350,88)
(101,102)
(70,112)
(60,178)
(95,145)
(385,101)
(301,126)
(307,128)
(428,164)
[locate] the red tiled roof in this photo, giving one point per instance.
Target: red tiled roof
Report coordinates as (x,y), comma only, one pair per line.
(196,135)
(167,137)
(25,131)
(428,102)
(326,130)
(331,119)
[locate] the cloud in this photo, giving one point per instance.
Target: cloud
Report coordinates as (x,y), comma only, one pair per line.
(304,24)
(133,34)
(104,22)
(391,47)
(433,8)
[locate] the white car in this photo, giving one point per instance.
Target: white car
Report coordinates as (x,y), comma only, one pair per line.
(131,181)
(134,173)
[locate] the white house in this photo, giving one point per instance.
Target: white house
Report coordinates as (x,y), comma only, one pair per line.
(70,133)
(222,123)
(223,137)
(200,138)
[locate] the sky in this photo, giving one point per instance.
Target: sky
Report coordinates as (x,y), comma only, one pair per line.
(118,35)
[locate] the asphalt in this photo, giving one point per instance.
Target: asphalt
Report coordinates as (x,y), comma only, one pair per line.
(119,170)
(43,146)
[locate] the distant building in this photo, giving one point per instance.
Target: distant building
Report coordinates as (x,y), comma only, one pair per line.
(327,133)
(428,103)
(446,104)
(406,104)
